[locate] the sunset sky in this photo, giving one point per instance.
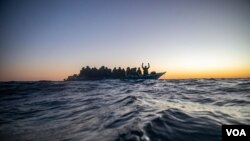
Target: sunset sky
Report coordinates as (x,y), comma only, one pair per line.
(48,40)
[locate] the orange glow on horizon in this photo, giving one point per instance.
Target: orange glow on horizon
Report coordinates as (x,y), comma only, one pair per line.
(186,74)
(58,75)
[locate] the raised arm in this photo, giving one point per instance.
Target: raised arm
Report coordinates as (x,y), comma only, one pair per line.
(148,66)
(142,65)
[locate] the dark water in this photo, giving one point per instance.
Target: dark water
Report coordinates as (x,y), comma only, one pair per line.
(119,110)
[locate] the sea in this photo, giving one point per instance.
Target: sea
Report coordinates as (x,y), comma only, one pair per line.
(122,110)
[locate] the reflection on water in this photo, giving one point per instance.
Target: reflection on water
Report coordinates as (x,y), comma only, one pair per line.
(122,110)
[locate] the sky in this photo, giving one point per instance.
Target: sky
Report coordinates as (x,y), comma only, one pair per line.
(50,40)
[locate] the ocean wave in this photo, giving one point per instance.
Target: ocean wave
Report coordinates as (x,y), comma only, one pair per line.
(122,110)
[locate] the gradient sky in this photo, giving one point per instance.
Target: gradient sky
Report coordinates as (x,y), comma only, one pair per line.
(188,39)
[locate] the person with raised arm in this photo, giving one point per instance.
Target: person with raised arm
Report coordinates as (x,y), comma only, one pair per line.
(145,69)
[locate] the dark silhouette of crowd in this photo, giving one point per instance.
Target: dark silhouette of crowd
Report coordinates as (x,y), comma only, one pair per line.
(106,73)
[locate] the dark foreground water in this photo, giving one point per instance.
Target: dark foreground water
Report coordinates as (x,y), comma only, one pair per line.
(122,110)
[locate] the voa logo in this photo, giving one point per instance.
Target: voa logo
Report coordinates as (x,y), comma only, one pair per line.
(236,132)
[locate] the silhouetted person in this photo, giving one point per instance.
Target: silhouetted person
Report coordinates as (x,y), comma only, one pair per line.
(123,72)
(139,71)
(119,72)
(128,71)
(82,72)
(133,71)
(145,69)
(114,72)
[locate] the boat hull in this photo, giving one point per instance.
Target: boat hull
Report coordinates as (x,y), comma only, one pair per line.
(149,76)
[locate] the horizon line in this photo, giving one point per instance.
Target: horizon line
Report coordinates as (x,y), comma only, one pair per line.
(125,79)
